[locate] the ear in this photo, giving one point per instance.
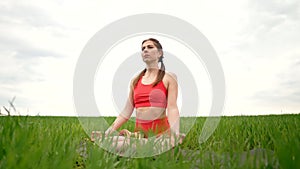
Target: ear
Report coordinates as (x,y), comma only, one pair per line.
(160,53)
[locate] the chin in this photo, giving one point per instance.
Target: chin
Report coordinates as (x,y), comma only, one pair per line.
(146,60)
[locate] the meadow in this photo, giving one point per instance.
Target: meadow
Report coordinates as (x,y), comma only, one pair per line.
(238,142)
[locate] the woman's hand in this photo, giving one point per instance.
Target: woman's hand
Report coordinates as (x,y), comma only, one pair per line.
(109,131)
(125,132)
(178,138)
(181,137)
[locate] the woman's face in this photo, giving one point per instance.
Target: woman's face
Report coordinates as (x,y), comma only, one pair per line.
(150,52)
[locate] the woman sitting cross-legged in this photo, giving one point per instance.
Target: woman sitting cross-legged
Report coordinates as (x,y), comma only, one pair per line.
(153,93)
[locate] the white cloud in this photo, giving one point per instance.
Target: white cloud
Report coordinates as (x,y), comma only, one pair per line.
(266,47)
(256,42)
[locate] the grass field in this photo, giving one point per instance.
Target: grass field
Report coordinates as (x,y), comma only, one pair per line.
(238,142)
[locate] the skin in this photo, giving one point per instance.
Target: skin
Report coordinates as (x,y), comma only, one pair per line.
(150,55)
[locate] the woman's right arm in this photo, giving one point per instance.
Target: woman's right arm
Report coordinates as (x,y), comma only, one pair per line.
(124,115)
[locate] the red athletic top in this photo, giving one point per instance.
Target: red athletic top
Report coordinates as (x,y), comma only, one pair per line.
(149,96)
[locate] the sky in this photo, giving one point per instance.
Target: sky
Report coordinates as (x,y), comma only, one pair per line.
(257,43)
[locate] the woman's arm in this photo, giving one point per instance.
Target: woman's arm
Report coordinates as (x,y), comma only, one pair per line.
(124,115)
(172,109)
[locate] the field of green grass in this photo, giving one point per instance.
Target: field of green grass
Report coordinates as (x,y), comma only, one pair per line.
(238,142)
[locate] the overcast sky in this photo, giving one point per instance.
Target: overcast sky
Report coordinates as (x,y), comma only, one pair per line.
(256,41)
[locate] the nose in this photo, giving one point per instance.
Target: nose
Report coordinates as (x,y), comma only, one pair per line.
(145,50)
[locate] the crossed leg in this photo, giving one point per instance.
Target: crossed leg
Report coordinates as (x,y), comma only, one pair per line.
(122,143)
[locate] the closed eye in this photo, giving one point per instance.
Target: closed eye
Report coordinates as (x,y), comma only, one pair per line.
(148,46)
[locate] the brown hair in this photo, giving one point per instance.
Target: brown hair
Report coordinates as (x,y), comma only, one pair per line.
(161,71)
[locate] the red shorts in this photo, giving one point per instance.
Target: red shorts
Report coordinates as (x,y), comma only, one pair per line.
(157,127)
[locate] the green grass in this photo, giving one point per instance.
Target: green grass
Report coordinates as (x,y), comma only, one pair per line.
(238,142)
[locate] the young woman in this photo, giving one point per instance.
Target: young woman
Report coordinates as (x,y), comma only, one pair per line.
(153,93)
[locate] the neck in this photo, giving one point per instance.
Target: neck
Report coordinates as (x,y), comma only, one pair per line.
(152,65)
(151,72)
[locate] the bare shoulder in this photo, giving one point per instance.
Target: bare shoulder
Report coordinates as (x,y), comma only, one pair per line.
(132,79)
(171,75)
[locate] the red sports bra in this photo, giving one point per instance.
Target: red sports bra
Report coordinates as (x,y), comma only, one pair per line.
(149,96)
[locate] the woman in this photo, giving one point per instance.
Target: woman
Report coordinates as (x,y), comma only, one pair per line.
(153,93)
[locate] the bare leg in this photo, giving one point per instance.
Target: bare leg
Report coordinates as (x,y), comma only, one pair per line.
(122,144)
(166,142)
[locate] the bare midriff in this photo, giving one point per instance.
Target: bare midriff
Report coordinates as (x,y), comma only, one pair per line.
(150,113)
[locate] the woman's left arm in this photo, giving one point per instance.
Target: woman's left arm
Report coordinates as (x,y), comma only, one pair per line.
(172,109)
